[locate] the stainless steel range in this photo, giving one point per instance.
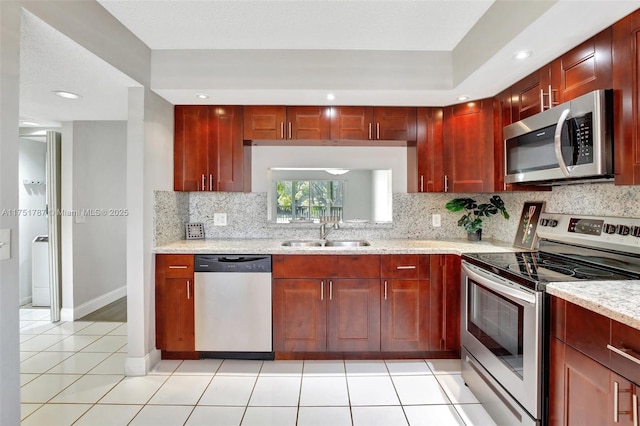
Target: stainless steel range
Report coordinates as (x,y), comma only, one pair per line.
(505,312)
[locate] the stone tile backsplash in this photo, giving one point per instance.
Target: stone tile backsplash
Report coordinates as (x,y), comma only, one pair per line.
(412,214)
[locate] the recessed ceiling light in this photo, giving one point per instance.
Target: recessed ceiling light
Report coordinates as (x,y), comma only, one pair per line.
(522,55)
(331,96)
(202,96)
(66,95)
(462,98)
(28,123)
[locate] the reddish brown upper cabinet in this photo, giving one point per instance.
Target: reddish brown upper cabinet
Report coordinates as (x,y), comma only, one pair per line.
(430,150)
(626,85)
(468,147)
(287,123)
(364,123)
(174,298)
(209,154)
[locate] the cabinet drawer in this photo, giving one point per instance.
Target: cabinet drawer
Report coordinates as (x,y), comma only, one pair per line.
(304,266)
(588,332)
(405,266)
(363,266)
(176,265)
(625,339)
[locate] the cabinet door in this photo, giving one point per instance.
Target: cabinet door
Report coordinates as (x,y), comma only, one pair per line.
(226,172)
(299,315)
(580,391)
(177,313)
(405,315)
(444,299)
(265,122)
(395,123)
(354,315)
(309,122)
(526,95)
(430,150)
(190,148)
(586,67)
(352,123)
(468,147)
(626,111)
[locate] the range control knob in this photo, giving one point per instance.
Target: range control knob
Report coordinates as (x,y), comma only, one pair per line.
(609,228)
(544,222)
(553,223)
(635,231)
(622,229)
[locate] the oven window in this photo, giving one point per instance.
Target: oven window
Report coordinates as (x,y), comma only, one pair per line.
(497,323)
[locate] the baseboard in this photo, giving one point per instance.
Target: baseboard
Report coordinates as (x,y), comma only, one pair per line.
(72,314)
(26,300)
(140,366)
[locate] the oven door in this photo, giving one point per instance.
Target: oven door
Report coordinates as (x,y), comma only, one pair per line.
(501,328)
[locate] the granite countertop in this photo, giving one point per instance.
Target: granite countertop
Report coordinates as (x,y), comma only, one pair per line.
(619,300)
(274,246)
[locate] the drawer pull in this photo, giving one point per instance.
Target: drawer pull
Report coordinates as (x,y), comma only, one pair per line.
(406,267)
(625,353)
(178,267)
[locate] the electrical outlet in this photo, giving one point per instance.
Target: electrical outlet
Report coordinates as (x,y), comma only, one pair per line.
(436,220)
(220,219)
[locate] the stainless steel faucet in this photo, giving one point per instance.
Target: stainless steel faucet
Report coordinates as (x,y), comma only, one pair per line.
(324,231)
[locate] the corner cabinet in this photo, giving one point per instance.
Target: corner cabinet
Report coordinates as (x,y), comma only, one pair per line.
(626,94)
(209,152)
(174,304)
(590,382)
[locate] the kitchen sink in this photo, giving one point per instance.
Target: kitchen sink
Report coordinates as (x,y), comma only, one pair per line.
(327,243)
(302,243)
(352,243)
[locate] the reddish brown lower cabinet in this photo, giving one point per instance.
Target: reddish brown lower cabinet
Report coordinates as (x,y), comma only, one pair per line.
(444,323)
(405,315)
(590,383)
(299,316)
(175,327)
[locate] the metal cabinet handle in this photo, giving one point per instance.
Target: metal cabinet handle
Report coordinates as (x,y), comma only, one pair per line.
(541,100)
(290,133)
(616,401)
(378,131)
(385,290)
(321,290)
(330,290)
(406,267)
(551,103)
(625,353)
(204,183)
(188,289)
(370,131)
(446,183)
(421,183)
(210,182)
(635,409)
(177,267)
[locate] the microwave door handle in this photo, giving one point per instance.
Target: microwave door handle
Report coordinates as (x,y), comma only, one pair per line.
(558,143)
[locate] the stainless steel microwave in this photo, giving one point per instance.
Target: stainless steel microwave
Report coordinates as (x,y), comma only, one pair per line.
(569,142)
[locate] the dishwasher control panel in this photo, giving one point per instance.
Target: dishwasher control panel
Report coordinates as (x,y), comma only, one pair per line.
(232,263)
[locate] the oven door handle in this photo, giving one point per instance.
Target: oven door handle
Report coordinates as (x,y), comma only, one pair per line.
(488,281)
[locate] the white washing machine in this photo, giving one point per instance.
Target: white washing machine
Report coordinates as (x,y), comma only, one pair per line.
(41,295)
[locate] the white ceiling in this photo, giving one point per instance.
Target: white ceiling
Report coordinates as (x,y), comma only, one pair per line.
(397,52)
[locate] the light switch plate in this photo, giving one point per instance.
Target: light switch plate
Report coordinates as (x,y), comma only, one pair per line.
(5,244)
(436,220)
(220,219)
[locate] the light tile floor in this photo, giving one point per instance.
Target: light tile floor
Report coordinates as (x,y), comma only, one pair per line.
(72,374)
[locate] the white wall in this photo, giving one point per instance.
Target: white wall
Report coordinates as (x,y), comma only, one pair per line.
(31,167)
(98,190)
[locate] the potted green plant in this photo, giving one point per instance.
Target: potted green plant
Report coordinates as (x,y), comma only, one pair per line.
(471,221)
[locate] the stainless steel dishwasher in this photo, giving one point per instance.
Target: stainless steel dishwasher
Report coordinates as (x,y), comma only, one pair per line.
(233,306)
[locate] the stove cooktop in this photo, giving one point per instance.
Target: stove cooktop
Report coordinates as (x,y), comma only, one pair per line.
(540,267)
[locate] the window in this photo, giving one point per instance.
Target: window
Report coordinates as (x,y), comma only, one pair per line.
(309,200)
